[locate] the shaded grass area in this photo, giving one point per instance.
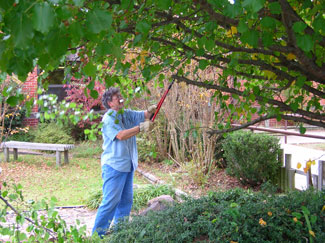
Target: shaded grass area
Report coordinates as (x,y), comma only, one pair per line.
(71,184)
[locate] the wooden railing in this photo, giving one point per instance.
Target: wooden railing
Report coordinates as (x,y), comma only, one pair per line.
(286,180)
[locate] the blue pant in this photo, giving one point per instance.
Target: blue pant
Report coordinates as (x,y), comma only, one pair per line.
(117,198)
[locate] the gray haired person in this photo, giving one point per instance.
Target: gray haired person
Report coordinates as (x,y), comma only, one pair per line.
(119,159)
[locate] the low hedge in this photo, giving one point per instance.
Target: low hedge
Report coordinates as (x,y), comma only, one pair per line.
(233,216)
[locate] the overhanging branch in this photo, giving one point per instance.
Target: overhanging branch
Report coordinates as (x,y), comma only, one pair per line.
(232,129)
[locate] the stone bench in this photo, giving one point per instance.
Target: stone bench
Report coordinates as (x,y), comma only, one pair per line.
(15,145)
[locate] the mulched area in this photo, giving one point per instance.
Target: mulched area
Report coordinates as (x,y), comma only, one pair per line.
(217,181)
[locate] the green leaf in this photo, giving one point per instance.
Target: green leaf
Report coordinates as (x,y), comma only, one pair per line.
(232,10)
(72,105)
(143,27)
(115,50)
(301,81)
(275,8)
(90,69)
(242,26)
(267,39)
(254,5)
(305,210)
(57,45)
(127,4)
(305,42)
(209,45)
(297,215)
(22,31)
(43,18)
(94,94)
(13,101)
(203,64)
(294,106)
(163,4)
(98,20)
(299,27)
(319,23)
(268,22)
(4,193)
(250,37)
(6,4)
(47,116)
(103,49)
(313,219)
(78,3)
(76,31)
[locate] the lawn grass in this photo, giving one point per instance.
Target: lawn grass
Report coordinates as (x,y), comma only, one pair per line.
(71,184)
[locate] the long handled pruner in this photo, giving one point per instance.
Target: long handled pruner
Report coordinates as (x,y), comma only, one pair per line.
(153,116)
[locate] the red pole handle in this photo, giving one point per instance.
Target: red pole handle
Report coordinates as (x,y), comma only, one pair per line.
(152,118)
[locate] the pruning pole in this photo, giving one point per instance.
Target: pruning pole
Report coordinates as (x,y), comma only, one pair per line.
(153,116)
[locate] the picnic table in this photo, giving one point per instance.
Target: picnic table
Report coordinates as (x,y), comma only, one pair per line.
(15,145)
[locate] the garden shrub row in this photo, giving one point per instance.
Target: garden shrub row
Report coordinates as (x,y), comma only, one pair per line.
(233,216)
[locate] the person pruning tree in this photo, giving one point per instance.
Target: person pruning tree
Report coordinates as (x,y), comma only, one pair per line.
(119,159)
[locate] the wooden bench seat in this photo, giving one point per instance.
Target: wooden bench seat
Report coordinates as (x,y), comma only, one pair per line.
(15,145)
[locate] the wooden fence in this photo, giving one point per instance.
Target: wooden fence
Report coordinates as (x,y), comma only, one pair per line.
(286,180)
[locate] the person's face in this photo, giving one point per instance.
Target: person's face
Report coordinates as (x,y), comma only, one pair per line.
(117,102)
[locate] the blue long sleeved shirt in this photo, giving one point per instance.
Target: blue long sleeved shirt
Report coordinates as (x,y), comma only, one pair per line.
(120,154)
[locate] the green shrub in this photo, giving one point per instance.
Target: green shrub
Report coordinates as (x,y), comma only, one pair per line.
(22,136)
(146,149)
(14,118)
(51,133)
(252,157)
(234,215)
(140,199)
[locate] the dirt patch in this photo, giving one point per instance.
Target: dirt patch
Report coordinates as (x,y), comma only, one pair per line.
(218,180)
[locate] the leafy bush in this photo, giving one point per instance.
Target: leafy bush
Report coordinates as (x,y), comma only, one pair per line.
(252,157)
(14,118)
(234,215)
(140,199)
(146,149)
(52,133)
(23,136)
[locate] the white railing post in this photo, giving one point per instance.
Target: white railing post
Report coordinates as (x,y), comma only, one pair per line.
(321,168)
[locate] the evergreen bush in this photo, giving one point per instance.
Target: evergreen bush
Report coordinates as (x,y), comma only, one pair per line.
(233,216)
(52,133)
(252,158)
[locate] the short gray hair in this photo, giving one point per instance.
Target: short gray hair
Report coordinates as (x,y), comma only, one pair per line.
(108,95)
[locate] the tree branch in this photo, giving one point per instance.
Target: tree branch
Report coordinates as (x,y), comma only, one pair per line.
(282,106)
(260,119)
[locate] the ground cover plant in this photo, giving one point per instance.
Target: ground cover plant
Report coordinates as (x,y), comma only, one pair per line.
(233,216)
(141,196)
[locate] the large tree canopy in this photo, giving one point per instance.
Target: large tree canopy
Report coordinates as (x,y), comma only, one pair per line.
(267,56)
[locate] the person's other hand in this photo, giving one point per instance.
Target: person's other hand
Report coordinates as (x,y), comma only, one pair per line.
(146,126)
(152,109)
